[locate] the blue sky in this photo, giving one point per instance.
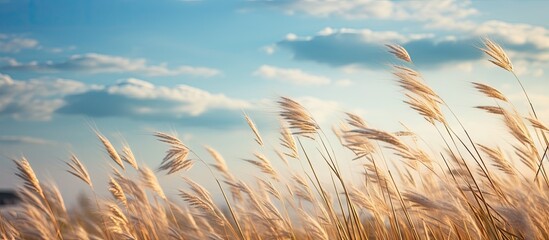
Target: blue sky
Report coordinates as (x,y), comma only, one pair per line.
(132,67)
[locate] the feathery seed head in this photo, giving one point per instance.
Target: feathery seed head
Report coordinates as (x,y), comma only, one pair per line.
(254,130)
(399,52)
(499,57)
(176,157)
(490,91)
(78,170)
(298,118)
(110,150)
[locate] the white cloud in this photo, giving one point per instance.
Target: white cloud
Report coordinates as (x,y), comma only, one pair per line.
(24,140)
(186,100)
(60,49)
(434,11)
(466,67)
(40,99)
(366,48)
(36,99)
(291,75)
(518,34)
(430,10)
(324,111)
(445,15)
(100,63)
(326,31)
(5,80)
(321,110)
(291,37)
(15,43)
(379,37)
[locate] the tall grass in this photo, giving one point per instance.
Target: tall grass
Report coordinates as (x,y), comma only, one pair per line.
(466,190)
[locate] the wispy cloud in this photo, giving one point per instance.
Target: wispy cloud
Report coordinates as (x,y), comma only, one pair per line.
(430,10)
(101,63)
(291,75)
(14,43)
(24,140)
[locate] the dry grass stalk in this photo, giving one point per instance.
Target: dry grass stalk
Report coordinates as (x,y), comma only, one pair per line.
(538,124)
(421,201)
(270,188)
(288,142)
(426,107)
(410,80)
(499,160)
(8,230)
(420,96)
(517,128)
(264,165)
(490,91)
(220,163)
(78,170)
(119,223)
(199,190)
(205,206)
(359,144)
(312,227)
(499,57)
(492,109)
(26,174)
(396,144)
(404,134)
(302,189)
(117,191)
(176,157)
(55,202)
(128,157)
(110,150)
(399,52)
(149,179)
(355,120)
(298,118)
(254,130)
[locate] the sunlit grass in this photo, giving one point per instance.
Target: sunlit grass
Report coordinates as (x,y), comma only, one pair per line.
(467,190)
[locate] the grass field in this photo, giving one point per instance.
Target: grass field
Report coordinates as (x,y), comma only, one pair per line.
(468,190)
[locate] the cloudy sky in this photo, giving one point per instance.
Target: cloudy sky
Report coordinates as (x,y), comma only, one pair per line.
(130,67)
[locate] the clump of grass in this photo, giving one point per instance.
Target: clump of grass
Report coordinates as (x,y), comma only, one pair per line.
(409,188)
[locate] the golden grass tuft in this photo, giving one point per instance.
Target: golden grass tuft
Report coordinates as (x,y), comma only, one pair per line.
(254,130)
(498,55)
(399,52)
(78,170)
(298,118)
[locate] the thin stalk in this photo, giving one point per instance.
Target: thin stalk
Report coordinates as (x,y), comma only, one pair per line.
(224,196)
(540,167)
(416,235)
(351,207)
(395,219)
(320,186)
